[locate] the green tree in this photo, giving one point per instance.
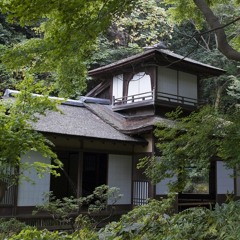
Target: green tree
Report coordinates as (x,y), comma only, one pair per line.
(10,35)
(145,25)
(200,11)
(17,135)
(193,141)
(196,40)
(68,33)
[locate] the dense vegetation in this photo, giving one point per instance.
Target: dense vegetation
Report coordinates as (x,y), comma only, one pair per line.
(151,221)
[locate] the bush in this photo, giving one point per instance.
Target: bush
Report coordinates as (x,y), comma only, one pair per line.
(151,222)
(32,233)
(64,210)
(9,227)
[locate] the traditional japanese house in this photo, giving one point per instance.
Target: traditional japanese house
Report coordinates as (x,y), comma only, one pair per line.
(100,137)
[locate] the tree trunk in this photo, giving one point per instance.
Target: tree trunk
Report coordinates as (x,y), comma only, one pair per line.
(214,23)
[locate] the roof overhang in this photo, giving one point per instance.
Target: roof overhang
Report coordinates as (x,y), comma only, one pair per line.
(160,57)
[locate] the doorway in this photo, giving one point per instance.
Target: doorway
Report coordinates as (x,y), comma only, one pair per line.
(66,184)
(94,171)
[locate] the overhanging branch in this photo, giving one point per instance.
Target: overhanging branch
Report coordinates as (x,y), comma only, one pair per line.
(218,28)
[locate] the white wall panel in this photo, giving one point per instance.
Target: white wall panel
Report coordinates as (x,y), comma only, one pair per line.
(167,80)
(120,176)
(30,194)
(225,183)
(118,86)
(187,85)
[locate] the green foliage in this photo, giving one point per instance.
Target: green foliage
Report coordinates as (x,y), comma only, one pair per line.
(193,142)
(17,135)
(226,11)
(151,222)
(32,233)
(142,222)
(155,220)
(145,25)
(68,35)
(65,210)
(10,34)
(8,227)
(62,210)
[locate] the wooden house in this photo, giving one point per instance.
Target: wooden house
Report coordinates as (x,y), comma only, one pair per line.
(100,137)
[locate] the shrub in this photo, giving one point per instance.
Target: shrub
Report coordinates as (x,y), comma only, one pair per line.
(34,234)
(65,210)
(151,222)
(9,227)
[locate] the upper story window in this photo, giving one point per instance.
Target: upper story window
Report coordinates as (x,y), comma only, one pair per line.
(172,88)
(139,87)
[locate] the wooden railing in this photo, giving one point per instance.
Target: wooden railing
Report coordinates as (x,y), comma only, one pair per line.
(7,193)
(133,98)
(160,96)
(173,98)
(140,192)
(8,198)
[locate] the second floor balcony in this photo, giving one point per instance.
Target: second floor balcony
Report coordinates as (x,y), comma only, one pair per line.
(155,98)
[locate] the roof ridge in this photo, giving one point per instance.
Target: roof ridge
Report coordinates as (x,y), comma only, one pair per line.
(101,116)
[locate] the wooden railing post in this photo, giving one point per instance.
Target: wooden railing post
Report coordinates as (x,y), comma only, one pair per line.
(154,95)
(113,100)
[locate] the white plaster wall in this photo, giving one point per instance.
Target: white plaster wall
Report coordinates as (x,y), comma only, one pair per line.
(225,183)
(118,86)
(167,80)
(187,85)
(120,176)
(30,194)
(140,83)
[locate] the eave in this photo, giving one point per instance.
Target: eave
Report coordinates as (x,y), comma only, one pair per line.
(159,57)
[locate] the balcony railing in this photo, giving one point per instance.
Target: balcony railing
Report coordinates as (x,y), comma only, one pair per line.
(172,98)
(163,97)
(133,98)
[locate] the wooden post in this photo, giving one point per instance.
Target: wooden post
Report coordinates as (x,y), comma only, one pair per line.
(3,188)
(80,173)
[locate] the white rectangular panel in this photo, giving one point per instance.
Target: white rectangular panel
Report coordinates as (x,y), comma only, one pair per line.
(118,86)
(30,194)
(188,87)
(167,80)
(120,176)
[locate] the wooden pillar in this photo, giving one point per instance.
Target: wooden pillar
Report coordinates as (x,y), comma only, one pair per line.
(80,174)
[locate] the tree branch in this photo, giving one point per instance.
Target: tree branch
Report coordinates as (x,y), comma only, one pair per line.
(214,23)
